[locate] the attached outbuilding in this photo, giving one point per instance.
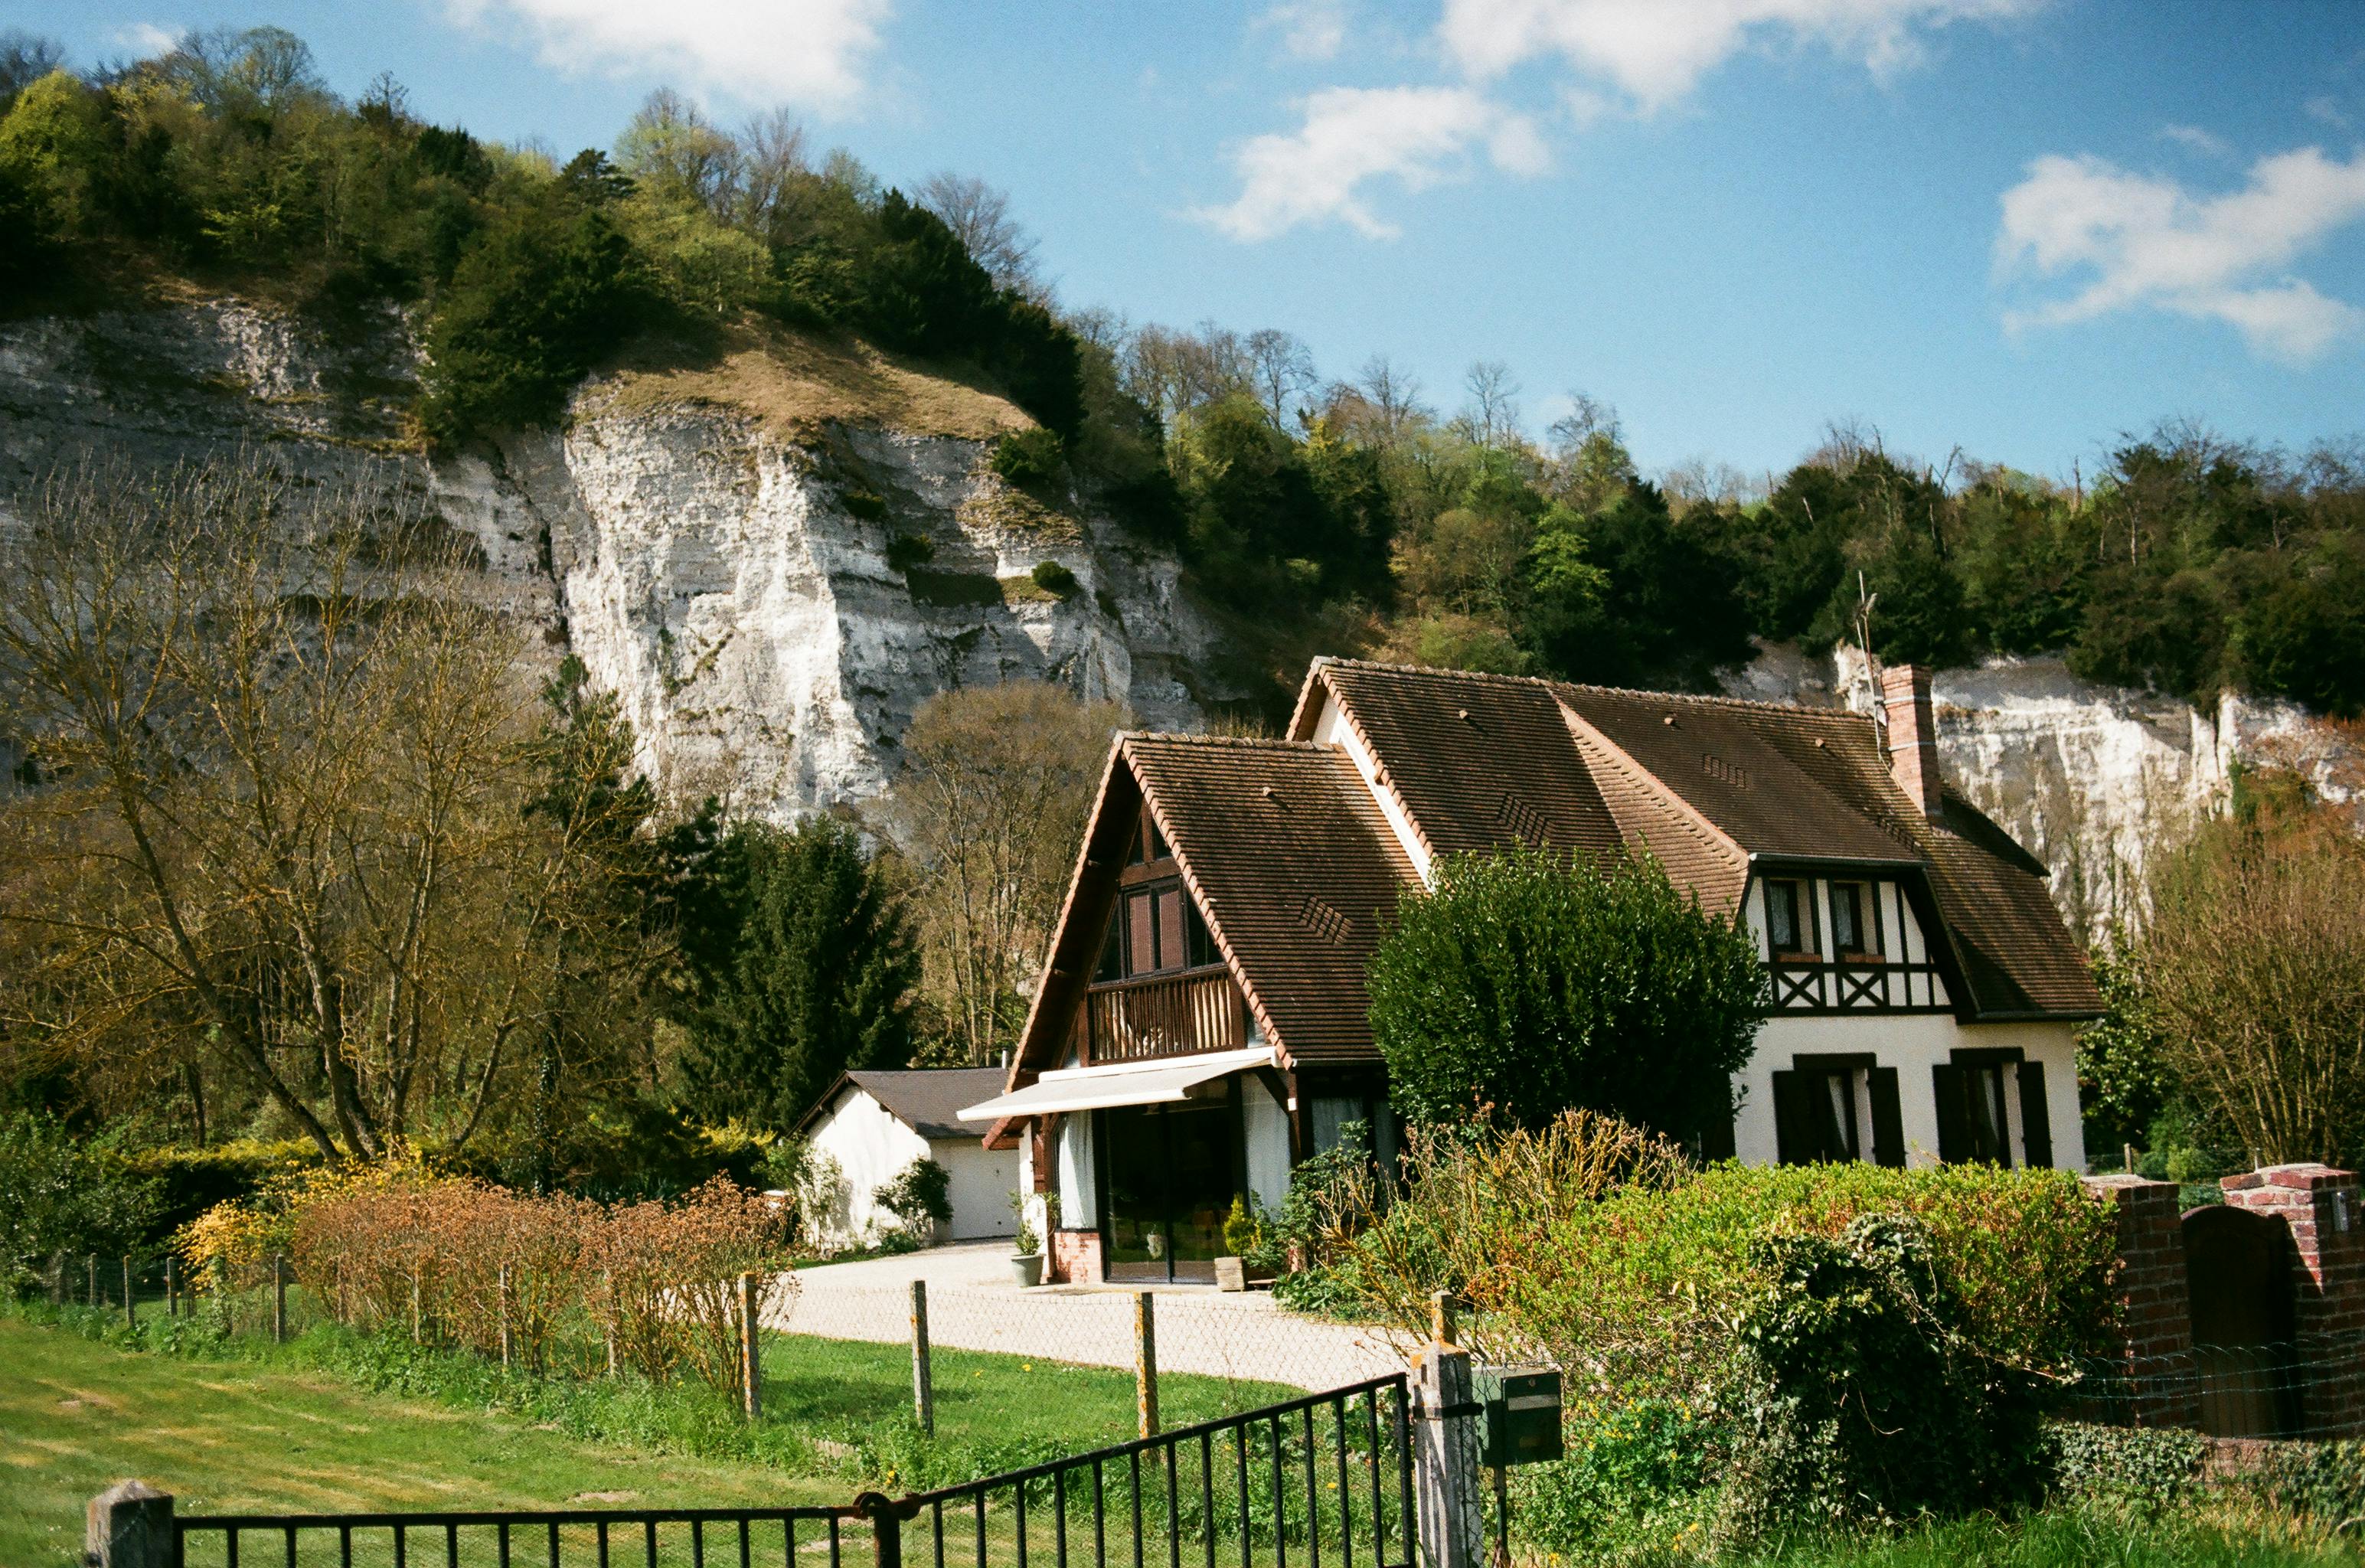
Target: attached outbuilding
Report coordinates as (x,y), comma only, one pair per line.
(871,1126)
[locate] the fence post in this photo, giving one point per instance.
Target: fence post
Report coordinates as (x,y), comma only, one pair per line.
(172,1285)
(130,1525)
(130,1306)
(418,1319)
(1145,1360)
(221,1293)
(1446,1449)
(923,1392)
(57,1279)
(887,1527)
(750,1368)
(90,1278)
(502,1286)
(608,1316)
(279,1297)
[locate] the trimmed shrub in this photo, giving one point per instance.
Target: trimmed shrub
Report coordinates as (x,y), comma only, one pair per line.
(920,1196)
(1534,983)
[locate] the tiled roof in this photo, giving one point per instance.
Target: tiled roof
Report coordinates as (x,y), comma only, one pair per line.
(1294,868)
(1724,781)
(926,1099)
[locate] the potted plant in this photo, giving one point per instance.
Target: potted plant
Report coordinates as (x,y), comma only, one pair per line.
(1026,1263)
(1242,1236)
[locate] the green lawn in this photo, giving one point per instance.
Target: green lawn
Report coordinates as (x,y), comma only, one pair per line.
(301,1428)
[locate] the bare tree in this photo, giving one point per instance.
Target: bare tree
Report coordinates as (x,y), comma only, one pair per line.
(1393,398)
(990,811)
(282,823)
(774,160)
(1281,369)
(1587,417)
(1494,411)
(979,215)
(678,155)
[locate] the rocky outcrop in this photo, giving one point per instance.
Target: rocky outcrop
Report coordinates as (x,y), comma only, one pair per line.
(714,543)
(2093,779)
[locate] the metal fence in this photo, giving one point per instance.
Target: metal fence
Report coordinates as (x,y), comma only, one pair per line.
(608,1538)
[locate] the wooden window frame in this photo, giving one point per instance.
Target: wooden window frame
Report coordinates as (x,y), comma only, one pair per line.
(1804,921)
(1866,905)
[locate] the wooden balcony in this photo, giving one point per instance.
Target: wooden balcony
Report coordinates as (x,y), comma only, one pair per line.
(1166,1015)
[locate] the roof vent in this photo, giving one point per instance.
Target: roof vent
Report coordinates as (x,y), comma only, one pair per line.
(1462,713)
(1522,819)
(1322,919)
(1266,791)
(1724,772)
(1669,721)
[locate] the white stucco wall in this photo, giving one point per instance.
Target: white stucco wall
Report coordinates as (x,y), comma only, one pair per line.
(982,1179)
(1914,1044)
(872,1147)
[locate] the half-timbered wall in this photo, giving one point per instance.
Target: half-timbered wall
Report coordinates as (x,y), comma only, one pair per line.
(1892,971)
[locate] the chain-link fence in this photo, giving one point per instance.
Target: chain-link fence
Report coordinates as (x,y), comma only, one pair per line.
(2309,1387)
(257,1297)
(1247,1341)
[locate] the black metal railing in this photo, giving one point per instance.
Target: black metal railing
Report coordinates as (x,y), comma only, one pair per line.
(607,1537)
(1328,1473)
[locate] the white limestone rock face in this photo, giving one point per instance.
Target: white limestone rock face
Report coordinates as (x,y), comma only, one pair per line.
(2093,779)
(716,576)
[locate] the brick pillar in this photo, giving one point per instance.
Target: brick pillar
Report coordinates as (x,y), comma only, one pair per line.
(2328,1231)
(2156,1354)
(1075,1257)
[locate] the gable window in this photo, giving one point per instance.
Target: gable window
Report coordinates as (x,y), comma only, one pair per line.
(1156,928)
(1785,910)
(1838,1108)
(1148,845)
(1851,931)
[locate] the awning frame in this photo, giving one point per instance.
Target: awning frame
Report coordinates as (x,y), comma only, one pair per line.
(1160,1081)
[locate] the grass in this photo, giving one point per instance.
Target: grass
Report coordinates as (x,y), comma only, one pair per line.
(337,1422)
(2077,1537)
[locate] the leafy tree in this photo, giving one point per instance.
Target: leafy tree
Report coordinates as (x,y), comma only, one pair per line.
(1537,984)
(810,973)
(1657,608)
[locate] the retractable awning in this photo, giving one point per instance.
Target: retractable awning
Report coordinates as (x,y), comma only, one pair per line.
(1123,1083)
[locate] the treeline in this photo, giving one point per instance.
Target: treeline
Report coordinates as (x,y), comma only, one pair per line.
(294,846)
(1325,514)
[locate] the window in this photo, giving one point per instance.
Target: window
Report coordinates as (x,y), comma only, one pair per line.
(1784,928)
(1838,1108)
(1851,934)
(1156,927)
(1979,1092)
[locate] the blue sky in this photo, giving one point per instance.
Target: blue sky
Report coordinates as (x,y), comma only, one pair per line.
(2019,227)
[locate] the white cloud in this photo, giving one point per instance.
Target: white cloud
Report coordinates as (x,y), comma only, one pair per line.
(2326,107)
(1656,50)
(808,52)
(148,40)
(1352,136)
(1310,29)
(2193,136)
(2144,241)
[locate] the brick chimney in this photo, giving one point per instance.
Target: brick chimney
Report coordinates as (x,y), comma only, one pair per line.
(1912,734)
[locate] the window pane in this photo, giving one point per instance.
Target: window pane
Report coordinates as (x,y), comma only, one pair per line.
(1158,850)
(1203,941)
(1782,915)
(1169,927)
(1332,1115)
(1847,918)
(1986,1086)
(1141,952)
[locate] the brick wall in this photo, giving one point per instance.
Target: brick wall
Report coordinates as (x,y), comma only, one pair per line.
(2155,1357)
(2321,1205)
(1076,1258)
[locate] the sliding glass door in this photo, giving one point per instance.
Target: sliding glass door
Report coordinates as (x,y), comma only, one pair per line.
(1172,1171)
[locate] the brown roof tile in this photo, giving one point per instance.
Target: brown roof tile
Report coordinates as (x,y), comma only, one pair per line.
(1294,868)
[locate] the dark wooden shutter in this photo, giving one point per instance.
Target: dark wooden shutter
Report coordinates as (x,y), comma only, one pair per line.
(1887,1118)
(1794,1128)
(1950,1084)
(1140,951)
(2035,1118)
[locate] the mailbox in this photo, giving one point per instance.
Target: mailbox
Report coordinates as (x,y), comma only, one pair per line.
(1522,1405)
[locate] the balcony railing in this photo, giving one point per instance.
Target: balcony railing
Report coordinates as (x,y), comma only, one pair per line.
(1167,1016)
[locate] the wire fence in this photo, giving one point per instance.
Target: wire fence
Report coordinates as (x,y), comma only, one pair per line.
(2313,1386)
(1245,1339)
(256,1298)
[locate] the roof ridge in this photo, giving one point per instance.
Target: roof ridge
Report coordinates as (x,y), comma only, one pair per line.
(1245,742)
(1699,697)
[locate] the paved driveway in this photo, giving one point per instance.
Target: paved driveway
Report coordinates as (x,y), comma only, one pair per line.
(975,1304)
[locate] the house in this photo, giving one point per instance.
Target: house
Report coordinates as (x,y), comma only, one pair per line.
(873,1125)
(1200,1024)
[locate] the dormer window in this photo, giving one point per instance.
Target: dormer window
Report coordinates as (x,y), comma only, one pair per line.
(1851,932)
(1148,845)
(1156,928)
(1786,915)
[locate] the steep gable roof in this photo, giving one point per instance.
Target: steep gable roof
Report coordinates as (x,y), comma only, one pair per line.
(1710,784)
(1295,868)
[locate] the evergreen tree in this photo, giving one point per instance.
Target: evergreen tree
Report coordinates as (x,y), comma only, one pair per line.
(808,973)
